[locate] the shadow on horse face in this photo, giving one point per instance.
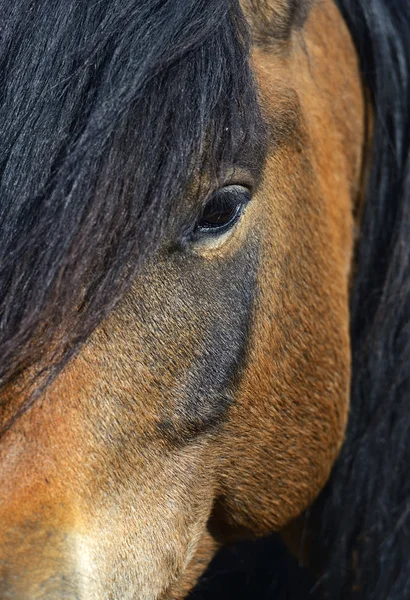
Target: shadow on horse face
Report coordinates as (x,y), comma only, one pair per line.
(212,403)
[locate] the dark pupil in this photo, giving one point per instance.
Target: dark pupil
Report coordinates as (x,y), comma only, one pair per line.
(218,213)
(222,211)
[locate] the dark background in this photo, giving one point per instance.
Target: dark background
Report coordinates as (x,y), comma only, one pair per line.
(260,570)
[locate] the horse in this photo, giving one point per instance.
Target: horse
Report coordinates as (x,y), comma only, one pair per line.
(204,292)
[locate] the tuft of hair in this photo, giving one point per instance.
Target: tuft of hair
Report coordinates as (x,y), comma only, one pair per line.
(365,510)
(274,22)
(108,111)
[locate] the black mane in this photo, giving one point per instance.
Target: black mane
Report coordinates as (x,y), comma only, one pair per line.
(365,511)
(107,111)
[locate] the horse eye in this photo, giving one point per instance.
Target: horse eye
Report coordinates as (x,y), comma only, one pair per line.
(223,210)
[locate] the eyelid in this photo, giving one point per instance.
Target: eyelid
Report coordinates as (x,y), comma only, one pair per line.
(231,188)
(237,176)
(235,187)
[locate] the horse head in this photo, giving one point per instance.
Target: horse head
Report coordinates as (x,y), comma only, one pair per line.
(182,183)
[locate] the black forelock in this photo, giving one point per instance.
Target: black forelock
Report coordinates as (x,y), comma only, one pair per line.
(107,111)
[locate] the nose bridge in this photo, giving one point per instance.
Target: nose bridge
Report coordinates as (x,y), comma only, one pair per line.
(37,542)
(41,469)
(51,463)
(37,560)
(38,527)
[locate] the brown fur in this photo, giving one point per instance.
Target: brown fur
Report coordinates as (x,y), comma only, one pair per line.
(113,484)
(292,405)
